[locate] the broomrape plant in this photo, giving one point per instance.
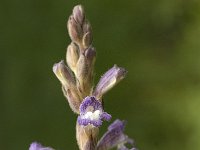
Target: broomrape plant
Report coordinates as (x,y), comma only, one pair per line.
(86,101)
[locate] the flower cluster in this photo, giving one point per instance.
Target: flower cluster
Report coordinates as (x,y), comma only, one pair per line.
(83,97)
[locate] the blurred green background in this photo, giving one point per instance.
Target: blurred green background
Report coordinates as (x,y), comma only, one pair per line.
(157,41)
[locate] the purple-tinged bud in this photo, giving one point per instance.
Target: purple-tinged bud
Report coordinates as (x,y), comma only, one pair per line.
(64,74)
(92,113)
(72,56)
(90,55)
(38,146)
(87,27)
(83,74)
(82,71)
(109,80)
(74,29)
(114,137)
(79,14)
(87,39)
(85,71)
(73,98)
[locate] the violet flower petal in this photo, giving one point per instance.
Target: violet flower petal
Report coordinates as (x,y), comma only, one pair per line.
(115,137)
(92,113)
(109,80)
(38,146)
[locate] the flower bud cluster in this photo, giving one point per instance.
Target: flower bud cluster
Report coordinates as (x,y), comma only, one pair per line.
(77,76)
(79,28)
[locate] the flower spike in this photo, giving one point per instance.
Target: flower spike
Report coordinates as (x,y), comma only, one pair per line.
(77,79)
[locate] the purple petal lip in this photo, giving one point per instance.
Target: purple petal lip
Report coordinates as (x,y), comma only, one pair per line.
(117,125)
(85,122)
(106,116)
(90,101)
(115,137)
(38,146)
(35,146)
(109,79)
(92,113)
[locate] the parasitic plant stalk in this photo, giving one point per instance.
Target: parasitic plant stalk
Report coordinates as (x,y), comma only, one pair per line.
(84,98)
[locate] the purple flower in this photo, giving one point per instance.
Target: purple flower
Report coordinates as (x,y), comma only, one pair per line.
(115,137)
(92,113)
(38,146)
(109,80)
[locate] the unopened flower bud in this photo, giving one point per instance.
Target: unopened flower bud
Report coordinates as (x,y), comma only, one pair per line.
(109,80)
(83,75)
(79,14)
(64,74)
(85,71)
(90,55)
(73,98)
(87,39)
(82,68)
(74,29)
(72,56)
(87,27)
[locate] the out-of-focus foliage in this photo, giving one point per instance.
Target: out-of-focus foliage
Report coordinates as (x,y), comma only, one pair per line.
(156,41)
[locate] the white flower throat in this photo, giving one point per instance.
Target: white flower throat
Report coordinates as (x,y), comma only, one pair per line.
(92,115)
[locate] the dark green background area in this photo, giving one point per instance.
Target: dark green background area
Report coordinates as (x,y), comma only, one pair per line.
(157,41)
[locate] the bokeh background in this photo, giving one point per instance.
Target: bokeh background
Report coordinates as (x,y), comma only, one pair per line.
(157,41)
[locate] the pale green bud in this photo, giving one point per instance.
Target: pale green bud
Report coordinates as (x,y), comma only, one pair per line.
(87,39)
(64,74)
(72,56)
